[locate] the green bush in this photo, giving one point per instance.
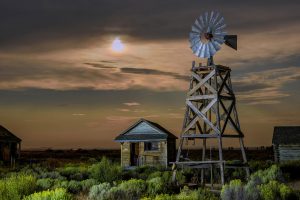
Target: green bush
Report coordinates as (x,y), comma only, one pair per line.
(105,171)
(275,190)
(99,192)
(61,184)
(164,197)
(45,183)
(270,174)
(74,172)
(187,194)
(155,186)
(116,193)
(143,172)
(154,175)
(17,186)
(57,194)
(74,186)
(133,188)
(87,184)
(233,190)
(52,175)
(251,189)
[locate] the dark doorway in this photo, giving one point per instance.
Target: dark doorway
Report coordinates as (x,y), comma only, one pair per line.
(134,154)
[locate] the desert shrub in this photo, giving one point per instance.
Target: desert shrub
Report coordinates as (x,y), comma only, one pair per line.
(270,174)
(233,190)
(56,194)
(133,188)
(256,165)
(154,175)
(99,192)
(105,171)
(87,184)
(129,174)
(180,178)
(74,186)
(200,193)
(116,193)
(155,186)
(275,190)
(205,194)
(251,189)
(17,186)
(52,175)
(61,184)
(187,194)
(45,183)
(161,197)
(143,172)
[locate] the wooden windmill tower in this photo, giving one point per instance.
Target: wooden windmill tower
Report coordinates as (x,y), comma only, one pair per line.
(211,112)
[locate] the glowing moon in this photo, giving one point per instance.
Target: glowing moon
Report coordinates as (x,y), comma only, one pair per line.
(117,45)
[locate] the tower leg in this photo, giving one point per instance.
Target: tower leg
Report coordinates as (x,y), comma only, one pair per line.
(221,161)
(203,159)
(244,157)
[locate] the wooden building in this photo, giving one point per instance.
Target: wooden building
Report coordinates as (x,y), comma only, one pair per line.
(10,146)
(147,143)
(286,143)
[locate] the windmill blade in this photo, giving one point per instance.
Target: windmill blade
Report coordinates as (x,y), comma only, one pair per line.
(215,19)
(208,34)
(231,41)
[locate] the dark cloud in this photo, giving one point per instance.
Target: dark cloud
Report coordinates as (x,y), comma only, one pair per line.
(146,71)
(34,24)
(248,87)
(100,66)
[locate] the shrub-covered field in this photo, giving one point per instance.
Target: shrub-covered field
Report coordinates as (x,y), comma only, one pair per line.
(104,180)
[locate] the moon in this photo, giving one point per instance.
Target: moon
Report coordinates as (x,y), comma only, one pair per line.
(117,45)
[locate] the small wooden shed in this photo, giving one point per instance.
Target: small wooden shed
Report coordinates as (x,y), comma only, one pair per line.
(286,143)
(147,143)
(10,146)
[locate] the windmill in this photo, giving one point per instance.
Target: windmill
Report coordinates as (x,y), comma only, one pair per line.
(211,112)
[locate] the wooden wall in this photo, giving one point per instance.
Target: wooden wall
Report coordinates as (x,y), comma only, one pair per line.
(286,152)
(157,157)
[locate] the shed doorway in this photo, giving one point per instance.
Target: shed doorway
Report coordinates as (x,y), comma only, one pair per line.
(134,154)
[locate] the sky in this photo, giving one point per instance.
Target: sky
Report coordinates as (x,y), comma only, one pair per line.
(62,85)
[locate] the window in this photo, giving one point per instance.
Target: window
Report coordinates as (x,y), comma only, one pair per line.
(151,146)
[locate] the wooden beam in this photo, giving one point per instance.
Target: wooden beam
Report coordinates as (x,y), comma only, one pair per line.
(201,136)
(199,97)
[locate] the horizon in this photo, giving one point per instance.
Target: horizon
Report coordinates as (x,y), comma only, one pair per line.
(75,75)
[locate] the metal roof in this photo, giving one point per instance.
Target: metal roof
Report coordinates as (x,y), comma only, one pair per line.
(286,135)
(150,131)
(7,136)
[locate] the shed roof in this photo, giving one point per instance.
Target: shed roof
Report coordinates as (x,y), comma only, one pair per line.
(7,136)
(145,130)
(286,135)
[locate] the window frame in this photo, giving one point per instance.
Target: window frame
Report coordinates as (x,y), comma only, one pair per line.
(152,147)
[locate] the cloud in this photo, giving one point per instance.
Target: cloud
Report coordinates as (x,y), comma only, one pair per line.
(132,104)
(146,71)
(78,114)
(100,66)
(42,26)
(265,87)
(123,110)
(126,118)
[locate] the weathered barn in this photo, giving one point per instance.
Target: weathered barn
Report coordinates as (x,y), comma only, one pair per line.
(146,143)
(286,143)
(10,146)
